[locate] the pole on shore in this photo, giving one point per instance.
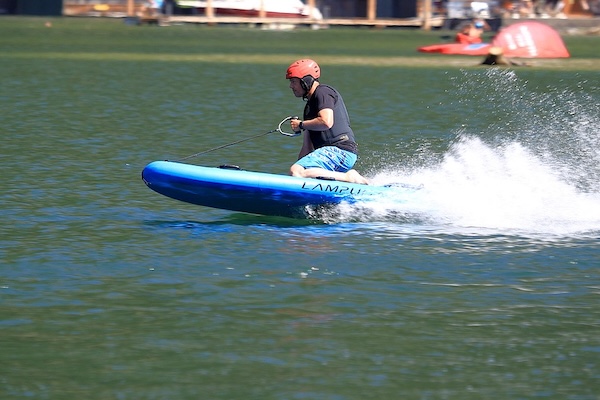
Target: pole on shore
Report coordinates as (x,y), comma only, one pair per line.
(130,8)
(311,8)
(209,11)
(426,26)
(371,10)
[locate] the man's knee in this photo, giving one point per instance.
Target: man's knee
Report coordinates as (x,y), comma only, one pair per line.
(297,170)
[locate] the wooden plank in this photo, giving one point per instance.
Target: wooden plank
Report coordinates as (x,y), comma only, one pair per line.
(409,22)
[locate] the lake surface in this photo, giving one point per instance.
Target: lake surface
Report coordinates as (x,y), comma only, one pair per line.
(485,286)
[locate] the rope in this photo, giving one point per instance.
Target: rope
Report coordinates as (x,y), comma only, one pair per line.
(278,129)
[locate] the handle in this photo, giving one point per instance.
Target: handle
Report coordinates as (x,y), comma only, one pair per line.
(286,119)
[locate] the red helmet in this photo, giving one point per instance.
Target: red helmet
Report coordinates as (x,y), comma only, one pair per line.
(301,68)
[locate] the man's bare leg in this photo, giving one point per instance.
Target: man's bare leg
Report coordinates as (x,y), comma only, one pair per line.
(351,176)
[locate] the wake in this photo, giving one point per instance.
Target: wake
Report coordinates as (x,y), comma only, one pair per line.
(535,169)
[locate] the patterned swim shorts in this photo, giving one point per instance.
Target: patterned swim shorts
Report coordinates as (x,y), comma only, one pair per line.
(330,158)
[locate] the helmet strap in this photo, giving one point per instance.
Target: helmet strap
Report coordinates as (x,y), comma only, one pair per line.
(307,83)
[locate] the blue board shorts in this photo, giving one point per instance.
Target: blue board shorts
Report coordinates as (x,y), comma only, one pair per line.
(330,158)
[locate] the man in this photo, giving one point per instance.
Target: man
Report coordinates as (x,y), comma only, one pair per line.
(329,149)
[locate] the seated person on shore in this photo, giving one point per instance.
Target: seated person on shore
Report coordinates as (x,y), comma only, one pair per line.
(481,25)
(151,9)
(469,34)
(526,9)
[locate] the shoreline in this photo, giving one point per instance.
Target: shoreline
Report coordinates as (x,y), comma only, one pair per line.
(433,61)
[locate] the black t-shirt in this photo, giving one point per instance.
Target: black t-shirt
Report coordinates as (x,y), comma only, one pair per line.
(340,134)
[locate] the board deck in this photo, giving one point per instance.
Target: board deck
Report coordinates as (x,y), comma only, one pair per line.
(252,192)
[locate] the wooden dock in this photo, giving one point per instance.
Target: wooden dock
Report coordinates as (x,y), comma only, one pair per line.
(120,10)
(434,22)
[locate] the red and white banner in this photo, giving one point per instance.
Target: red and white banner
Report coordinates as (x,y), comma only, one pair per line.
(521,40)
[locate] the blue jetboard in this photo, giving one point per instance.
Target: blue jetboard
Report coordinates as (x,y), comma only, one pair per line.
(230,188)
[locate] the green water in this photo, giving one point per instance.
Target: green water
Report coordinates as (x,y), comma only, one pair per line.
(486,288)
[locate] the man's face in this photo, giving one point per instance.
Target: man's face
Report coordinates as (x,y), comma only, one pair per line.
(296,87)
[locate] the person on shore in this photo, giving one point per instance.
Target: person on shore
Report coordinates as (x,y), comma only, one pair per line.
(481,25)
(329,149)
(151,9)
(469,34)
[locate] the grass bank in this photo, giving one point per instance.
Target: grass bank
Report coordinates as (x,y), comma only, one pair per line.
(112,39)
